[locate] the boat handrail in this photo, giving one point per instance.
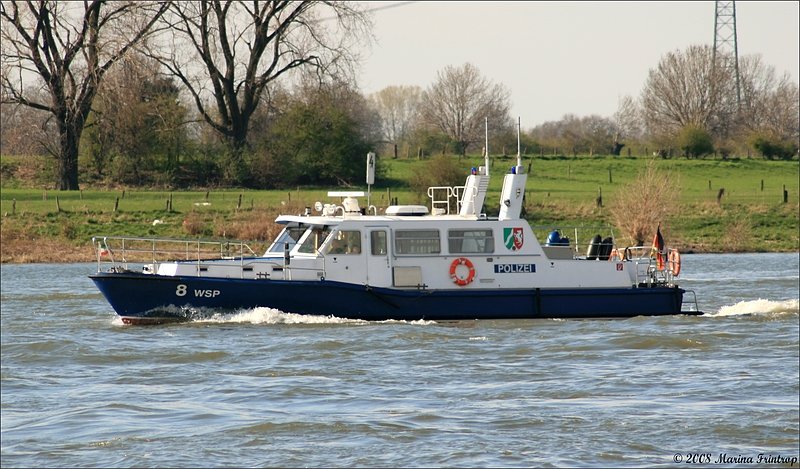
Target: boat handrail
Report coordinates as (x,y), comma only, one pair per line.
(451,194)
(648,270)
(644,258)
(577,244)
(122,250)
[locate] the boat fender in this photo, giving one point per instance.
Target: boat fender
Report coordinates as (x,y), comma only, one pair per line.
(605,248)
(594,247)
(674,262)
(470,271)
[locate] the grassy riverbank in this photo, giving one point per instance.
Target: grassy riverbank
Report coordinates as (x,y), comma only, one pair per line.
(41,225)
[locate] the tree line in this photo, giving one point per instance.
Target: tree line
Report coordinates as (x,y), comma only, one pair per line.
(263,94)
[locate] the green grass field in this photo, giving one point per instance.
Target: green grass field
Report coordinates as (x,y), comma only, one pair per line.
(563,179)
(561,191)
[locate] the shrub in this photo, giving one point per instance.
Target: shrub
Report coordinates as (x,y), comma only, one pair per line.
(193,225)
(695,141)
(438,171)
(738,235)
(639,206)
(771,147)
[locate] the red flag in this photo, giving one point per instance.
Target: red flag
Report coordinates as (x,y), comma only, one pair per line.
(658,248)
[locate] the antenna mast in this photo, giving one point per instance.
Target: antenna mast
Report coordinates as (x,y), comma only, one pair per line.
(519,131)
(486,146)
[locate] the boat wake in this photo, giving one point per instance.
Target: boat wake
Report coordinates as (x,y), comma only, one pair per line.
(759,307)
(264,315)
(273,316)
(276,316)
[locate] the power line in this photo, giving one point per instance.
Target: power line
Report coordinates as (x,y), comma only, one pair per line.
(386,7)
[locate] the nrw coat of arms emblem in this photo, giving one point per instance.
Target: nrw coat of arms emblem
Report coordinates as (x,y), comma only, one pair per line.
(513,238)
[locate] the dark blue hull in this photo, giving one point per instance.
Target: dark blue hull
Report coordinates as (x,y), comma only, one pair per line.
(142,298)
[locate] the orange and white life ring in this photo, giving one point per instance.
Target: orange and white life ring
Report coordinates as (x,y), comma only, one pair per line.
(674,260)
(459,279)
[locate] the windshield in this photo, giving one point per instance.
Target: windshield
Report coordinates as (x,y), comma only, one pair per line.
(289,235)
(345,242)
(314,239)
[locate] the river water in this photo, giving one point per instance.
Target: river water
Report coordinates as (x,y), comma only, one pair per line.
(266,388)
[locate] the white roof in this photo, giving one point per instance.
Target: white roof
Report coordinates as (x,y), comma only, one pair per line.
(400,210)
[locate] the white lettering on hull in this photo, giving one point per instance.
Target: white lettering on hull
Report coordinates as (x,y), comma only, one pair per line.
(515,268)
(206,293)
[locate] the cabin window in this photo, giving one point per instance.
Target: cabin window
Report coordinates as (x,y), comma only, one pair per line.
(377,241)
(345,242)
(417,242)
(288,235)
(316,236)
(470,241)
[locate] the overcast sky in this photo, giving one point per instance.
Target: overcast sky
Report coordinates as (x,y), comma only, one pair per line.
(560,58)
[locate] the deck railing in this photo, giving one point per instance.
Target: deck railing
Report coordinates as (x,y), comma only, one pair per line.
(445,197)
(119,251)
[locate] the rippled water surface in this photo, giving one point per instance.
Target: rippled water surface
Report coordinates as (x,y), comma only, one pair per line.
(267,388)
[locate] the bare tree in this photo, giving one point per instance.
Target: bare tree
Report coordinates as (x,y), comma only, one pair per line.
(398,108)
(68,47)
(628,121)
(573,134)
(640,205)
(26,131)
(685,89)
(227,53)
(459,101)
(783,110)
(770,104)
(137,122)
(599,134)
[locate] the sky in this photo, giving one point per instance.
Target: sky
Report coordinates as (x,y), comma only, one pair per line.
(559,58)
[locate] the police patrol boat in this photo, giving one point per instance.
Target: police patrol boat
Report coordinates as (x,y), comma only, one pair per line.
(410,262)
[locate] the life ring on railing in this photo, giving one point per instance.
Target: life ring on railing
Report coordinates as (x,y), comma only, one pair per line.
(470,271)
(674,260)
